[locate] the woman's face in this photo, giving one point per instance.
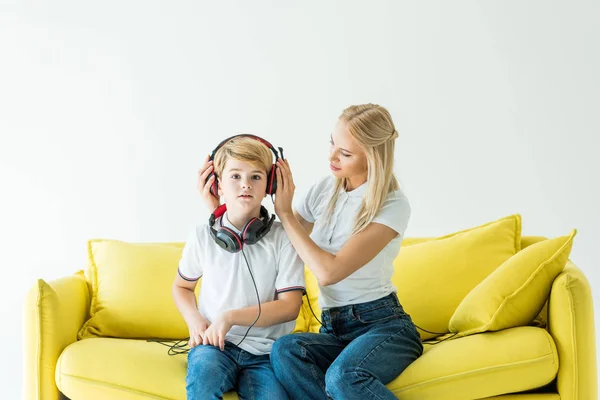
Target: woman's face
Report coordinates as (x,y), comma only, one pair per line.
(347,159)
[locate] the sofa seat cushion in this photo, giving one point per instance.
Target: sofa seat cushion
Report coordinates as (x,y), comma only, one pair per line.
(106,368)
(480,366)
(472,367)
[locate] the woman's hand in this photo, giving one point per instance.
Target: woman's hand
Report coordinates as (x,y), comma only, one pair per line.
(211,201)
(197,330)
(215,334)
(285,189)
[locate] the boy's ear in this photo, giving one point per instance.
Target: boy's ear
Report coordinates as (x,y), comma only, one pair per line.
(219,190)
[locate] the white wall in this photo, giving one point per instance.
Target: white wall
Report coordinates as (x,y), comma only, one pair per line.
(107,109)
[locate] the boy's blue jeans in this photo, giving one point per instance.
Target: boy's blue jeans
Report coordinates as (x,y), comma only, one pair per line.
(212,372)
(360,349)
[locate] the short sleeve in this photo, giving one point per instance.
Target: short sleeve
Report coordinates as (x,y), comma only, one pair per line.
(307,204)
(189,264)
(394,213)
(290,273)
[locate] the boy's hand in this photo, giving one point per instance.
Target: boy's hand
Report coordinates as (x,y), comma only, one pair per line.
(215,334)
(197,331)
(210,200)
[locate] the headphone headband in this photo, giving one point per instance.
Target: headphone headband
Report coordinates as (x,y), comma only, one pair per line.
(219,211)
(271,177)
(263,141)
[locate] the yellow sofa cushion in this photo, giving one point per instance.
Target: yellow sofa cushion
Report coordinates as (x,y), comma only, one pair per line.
(131,290)
(471,367)
(515,292)
(433,277)
(310,306)
(109,368)
(480,366)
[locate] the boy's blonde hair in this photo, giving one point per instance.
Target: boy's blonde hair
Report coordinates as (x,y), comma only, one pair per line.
(372,127)
(244,149)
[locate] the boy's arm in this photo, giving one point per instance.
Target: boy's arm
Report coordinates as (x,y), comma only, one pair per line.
(284,309)
(185,300)
(289,285)
(188,274)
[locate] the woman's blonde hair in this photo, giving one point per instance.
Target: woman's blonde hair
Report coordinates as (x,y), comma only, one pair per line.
(246,149)
(372,127)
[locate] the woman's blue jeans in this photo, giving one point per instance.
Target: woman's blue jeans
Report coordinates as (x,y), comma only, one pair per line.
(212,372)
(360,349)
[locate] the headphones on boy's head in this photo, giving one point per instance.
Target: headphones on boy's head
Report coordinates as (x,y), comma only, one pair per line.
(271,176)
(252,232)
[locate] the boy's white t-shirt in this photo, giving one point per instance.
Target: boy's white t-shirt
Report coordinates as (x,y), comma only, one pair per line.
(227,283)
(374,280)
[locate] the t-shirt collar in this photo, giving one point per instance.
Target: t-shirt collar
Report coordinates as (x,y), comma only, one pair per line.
(358,192)
(225,222)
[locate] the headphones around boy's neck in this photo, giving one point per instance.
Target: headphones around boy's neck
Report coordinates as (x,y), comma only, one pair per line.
(252,232)
(271,176)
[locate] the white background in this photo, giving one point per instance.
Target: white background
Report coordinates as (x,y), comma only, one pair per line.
(108,108)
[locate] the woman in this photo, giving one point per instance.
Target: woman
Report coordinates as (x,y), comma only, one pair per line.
(348,230)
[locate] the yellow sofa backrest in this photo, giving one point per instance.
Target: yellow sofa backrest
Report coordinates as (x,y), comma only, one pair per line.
(115,292)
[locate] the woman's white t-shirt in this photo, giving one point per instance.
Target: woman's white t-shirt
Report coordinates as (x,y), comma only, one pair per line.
(373,280)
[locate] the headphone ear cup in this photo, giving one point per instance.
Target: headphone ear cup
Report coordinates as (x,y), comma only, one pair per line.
(272,180)
(228,240)
(251,231)
(214,188)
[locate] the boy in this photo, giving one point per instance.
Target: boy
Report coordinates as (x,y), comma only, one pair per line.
(225,353)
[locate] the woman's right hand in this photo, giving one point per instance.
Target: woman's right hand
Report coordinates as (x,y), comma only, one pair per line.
(211,201)
(197,329)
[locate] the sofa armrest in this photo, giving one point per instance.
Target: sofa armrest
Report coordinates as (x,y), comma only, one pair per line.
(571,324)
(53,314)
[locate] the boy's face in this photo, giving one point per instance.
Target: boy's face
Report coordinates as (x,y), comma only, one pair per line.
(243,185)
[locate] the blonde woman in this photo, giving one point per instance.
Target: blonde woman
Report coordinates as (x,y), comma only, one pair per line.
(348,229)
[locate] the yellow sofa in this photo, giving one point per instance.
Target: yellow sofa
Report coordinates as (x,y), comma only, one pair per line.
(549,358)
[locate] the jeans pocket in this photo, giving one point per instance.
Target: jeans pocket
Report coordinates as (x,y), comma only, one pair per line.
(373,315)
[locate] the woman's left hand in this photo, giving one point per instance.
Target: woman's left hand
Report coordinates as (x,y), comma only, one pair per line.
(285,189)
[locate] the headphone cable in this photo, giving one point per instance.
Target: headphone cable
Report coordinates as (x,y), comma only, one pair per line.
(257,298)
(179,346)
(424,330)
(313,313)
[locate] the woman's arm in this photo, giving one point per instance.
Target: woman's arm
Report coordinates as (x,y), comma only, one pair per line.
(308,226)
(329,269)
